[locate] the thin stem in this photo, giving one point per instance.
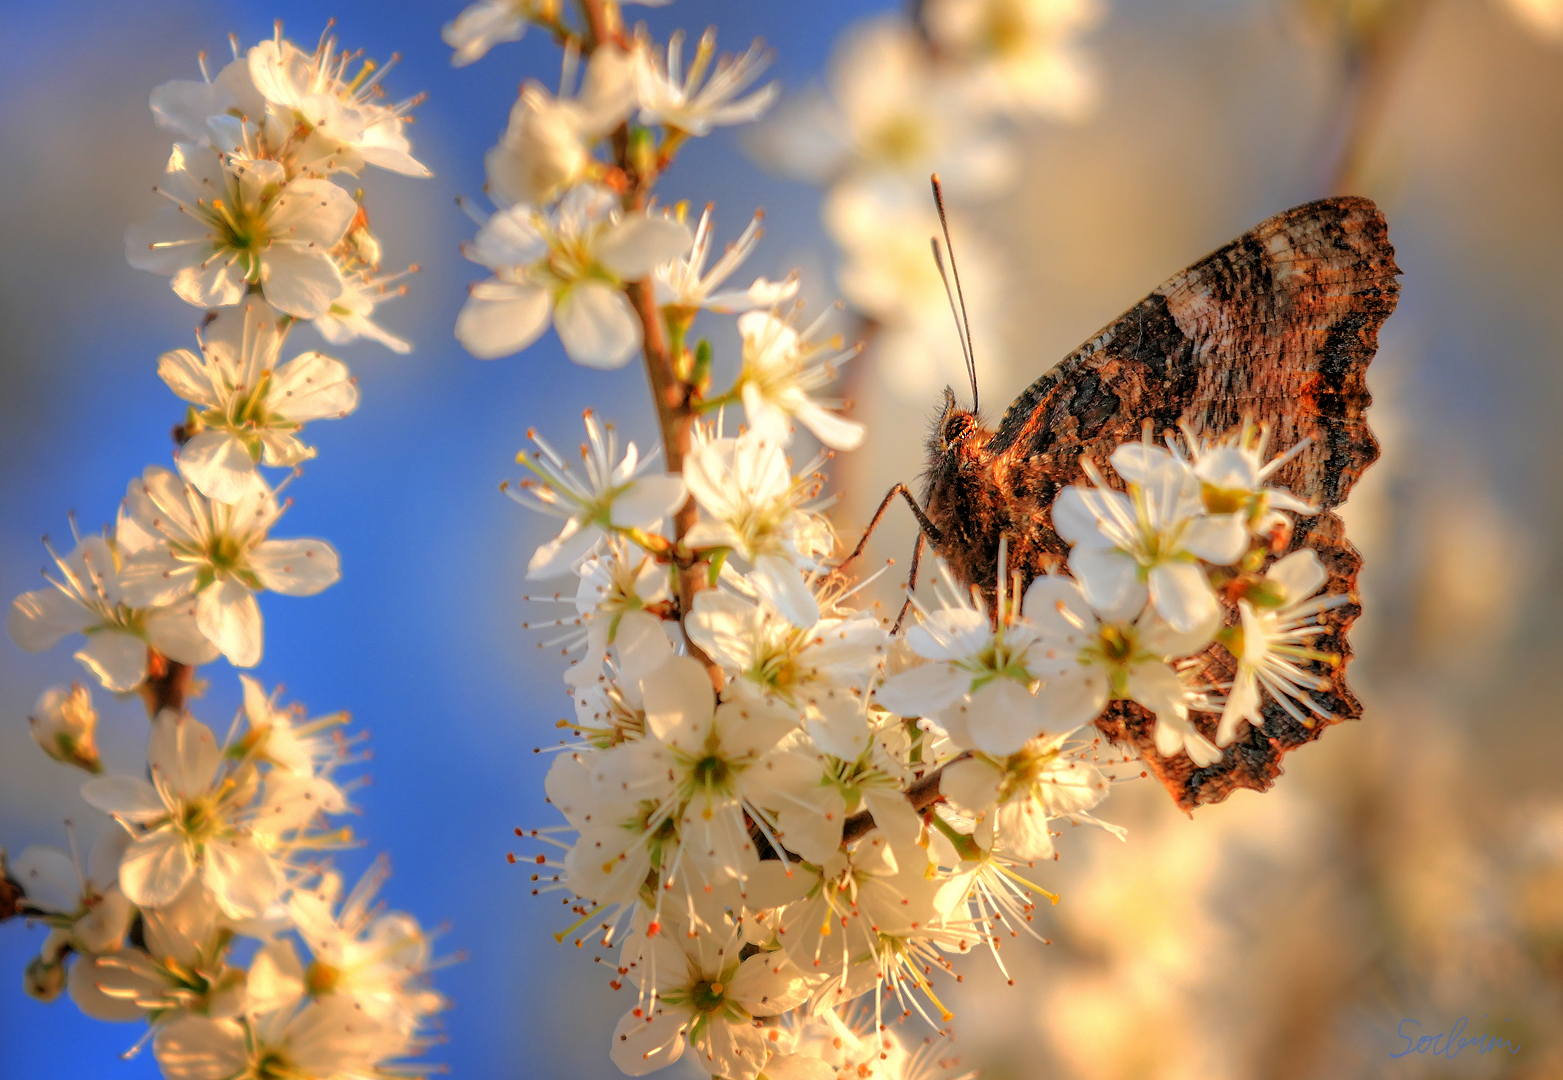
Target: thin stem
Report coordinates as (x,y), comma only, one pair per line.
(1374,62)
(598,27)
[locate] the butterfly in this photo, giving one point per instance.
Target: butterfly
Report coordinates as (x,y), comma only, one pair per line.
(1276,327)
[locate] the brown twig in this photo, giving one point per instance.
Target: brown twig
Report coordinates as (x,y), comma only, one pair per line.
(923,793)
(672,396)
(11,896)
(598,28)
(167,683)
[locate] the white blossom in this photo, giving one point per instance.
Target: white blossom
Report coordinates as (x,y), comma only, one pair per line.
(315,1039)
(88,597)
(1271,645)
(756,507)
(1149,542)
(1021,54)
(614,592)
(768,656)
(183,968)
(890,112)
(190,819)
(782,369)
(568,267)
(250,407)
(685,285)
(698,992)
(348,317)
(220,554)
(303,750)
(378,959)
(546,147)
(721,764)
(991,686)
(87,905)
(1232,474)
(189,107)
(1102,657)
(1012,799)
(345,111)
(487,23)
(615,496)
(672,96)
(241,223)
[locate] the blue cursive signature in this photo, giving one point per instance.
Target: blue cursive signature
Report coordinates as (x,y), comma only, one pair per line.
(1438,1047)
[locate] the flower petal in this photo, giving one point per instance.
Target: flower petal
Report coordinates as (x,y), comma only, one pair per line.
(295,567)
(241,877)
(1181,594)
(127,797)
(597,325)
(780,584)
(312,213)
(183,753)
(230,618)
(219,466)
(679,703)
(155,576)
(116,658)
(923,690)
(39,619)
(644,1046)
(561,554)
(649,501)
(1217,538)
(312,386)
(637,244)
(500,318)
(300,281)
(155,868)
(174,632)
(48,878)
(199,1048)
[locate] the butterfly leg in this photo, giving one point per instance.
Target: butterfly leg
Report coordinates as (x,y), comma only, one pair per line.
(927,527)
(927,531)
(911,583)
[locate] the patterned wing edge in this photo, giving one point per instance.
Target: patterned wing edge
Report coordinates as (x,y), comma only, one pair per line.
(1279,324)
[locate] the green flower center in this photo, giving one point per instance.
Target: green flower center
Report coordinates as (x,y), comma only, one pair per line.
(224,552)
(711,773)
(707,996)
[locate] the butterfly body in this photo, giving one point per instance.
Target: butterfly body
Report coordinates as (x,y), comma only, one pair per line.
(1276,327)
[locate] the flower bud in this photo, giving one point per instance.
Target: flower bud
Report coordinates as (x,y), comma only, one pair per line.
(43,980)
(65,725)
(366,246)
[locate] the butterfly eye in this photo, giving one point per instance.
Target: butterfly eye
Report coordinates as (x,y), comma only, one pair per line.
(956,428)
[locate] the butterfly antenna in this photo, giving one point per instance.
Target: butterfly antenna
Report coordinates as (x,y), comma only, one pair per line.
(965,320)
(949,293)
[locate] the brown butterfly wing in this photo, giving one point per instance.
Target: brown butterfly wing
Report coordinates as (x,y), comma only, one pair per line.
(1279,325)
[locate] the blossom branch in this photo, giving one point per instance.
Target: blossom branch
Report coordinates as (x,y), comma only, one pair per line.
(920,794)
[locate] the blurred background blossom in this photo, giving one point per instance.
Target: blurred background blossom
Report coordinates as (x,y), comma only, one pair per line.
(1409,866)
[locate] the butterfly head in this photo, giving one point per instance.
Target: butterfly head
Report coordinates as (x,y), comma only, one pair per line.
(957,433)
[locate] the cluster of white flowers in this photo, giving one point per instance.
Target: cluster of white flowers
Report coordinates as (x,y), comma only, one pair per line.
(944,91)
(222,841)
(848,808)
(777,809)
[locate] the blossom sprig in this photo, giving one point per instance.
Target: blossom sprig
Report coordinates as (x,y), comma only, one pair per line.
(215,842)
(253,206)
